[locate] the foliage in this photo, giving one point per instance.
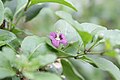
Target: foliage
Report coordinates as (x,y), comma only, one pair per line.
(24,56)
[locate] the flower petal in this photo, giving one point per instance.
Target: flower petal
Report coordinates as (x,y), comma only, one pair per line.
(53,34)
(63,40)
(55,43)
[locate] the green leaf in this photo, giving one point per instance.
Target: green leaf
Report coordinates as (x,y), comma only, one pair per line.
(55,1)
(36,50)
(32,12)
(86,37)
(9,54)
(41,76)
(92,28)
(1,12)
(6,73)
(72,48)
(111,36)
(105,65)
(83,67)
(68,17)
(31,43)
(69,32)
(20,5)
(69,72)
(7,57)
(8,14)
(6,36)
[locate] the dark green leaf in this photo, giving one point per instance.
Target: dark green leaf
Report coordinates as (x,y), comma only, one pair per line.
(32,12)
(69,72)
(86,37)
(56,1)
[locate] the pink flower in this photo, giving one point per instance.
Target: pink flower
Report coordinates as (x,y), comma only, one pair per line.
(57,39)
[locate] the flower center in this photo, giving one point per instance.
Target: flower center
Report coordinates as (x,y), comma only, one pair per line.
(57,37)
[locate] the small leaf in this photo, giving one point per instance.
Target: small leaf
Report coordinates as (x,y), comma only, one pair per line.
(41,76)
(1,12)
(6,37)
(69,72)
(86,37)
(55,1)
(72,48)
(105,65)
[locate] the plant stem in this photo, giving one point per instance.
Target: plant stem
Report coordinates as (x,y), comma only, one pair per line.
(27,5)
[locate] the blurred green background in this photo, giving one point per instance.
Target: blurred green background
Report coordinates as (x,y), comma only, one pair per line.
(102,12)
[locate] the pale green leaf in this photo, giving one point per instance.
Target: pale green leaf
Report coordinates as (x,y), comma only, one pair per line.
(68,17)
(92,28)
(112,35)
(105,65)
(1,12)
(41,76)
(6,37)
(69,32)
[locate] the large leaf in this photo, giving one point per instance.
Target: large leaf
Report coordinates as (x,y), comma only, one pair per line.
(68,17)
(92,28)
(69,32)
(1,12)
(69,72)
(83,67)
(64,2)
(41,76)
(9,54)
(105,65)
(31,43)
(36,49)
(19,10)
(7,57)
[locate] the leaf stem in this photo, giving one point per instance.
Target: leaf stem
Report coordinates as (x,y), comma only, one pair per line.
(27,5)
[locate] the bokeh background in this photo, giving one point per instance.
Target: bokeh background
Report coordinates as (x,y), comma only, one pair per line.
(102,12)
